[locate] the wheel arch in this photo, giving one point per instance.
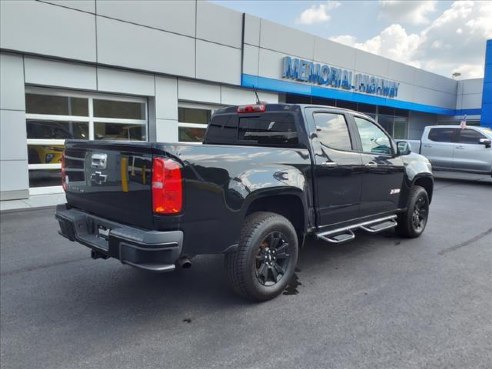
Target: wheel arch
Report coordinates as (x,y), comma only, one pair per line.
(427,183)
(289,205)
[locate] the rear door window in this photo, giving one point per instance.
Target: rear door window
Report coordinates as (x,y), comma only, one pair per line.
(443,134)
(332,131)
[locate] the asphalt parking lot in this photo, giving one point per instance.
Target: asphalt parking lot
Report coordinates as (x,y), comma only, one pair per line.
(376,302)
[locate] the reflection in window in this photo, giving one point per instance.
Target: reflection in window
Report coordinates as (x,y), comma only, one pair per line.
(191,134)
(118,109)
(268,129)
(44,177)
(443,134)
(470,136)
(189,115)
(44,154)
(59,130)
(332,131)
(400,128)
(56,105)
(373,139)
(114,131)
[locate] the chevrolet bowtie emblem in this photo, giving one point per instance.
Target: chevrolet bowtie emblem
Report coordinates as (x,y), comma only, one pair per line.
(99,178)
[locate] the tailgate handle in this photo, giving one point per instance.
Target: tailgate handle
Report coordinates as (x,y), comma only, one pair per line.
(99,161)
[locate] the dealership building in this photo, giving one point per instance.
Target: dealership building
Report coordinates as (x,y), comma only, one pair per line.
(157,70)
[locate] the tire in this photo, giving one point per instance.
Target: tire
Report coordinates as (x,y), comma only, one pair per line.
(266,257)
(411,223)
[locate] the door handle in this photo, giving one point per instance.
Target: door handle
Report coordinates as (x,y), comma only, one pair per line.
(329,164)
(371,164)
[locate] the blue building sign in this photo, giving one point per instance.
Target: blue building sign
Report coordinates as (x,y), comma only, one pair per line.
(325,75)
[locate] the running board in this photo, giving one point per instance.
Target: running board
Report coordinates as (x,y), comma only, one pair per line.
(345,234)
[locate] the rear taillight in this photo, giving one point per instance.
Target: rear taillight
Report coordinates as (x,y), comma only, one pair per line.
(63,174)
(258,108)
(167,186)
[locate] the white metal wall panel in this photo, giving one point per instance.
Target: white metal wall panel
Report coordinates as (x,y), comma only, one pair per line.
(43,28)
(172,16)
(401,73)
(333,53)
(13,176)
(166,130)
(218,63)
(88,6)
(60,74)
(166,97)
(431,97)
(286,40)
(252,30)
(13,135)
(270,64)
(200,92)
(218,24)
(371,64)
(237,96)
(471,101)
(132,46)
(113,80)
(251,59)
(12,82)
(472,86)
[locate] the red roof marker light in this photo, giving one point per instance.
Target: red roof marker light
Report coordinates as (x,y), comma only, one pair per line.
(257,108)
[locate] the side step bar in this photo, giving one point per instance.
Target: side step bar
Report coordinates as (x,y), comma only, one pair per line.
(344,234)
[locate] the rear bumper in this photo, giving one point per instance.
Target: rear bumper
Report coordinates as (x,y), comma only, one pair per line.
(144,249)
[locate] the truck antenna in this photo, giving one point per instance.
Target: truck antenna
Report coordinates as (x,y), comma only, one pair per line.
(257,98)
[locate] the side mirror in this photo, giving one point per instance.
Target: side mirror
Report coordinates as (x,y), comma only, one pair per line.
(403,148)
(485,141)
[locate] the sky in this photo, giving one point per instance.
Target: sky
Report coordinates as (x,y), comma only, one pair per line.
(444,37)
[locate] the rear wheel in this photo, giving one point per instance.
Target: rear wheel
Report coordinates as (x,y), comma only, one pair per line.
(412,223)
(266,258)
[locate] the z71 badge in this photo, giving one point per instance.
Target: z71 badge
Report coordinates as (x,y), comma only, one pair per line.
(394,191)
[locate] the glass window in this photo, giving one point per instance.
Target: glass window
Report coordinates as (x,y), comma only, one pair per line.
(332,131)
(443,134)
(268,129)
(59,130)
(400,127)
(44,154)
(120,132)
(386,121)
(44,177)
(191,134)
(373,139)
(51,119)
(56,105)
(118,109)
(346,105)
(470,136)
(223,129)
(189,115)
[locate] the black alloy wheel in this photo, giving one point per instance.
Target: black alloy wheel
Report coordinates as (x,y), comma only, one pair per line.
(265,260)
(420,212)
(272,259)
(412,222)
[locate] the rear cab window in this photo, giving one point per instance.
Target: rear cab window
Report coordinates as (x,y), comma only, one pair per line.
(276,129)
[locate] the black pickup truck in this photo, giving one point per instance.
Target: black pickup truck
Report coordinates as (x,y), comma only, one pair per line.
(266,176)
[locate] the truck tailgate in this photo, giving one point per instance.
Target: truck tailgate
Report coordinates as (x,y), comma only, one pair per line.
(110,179)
